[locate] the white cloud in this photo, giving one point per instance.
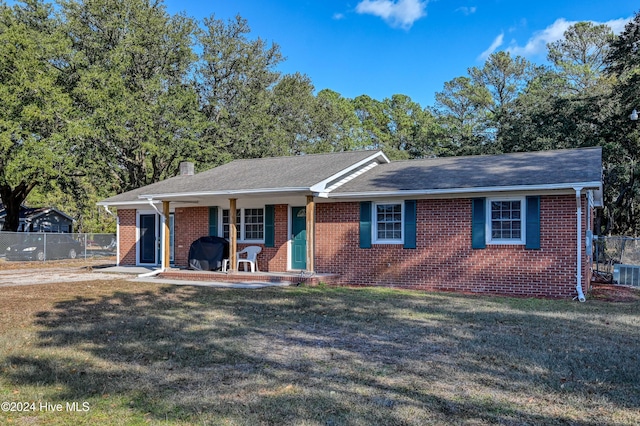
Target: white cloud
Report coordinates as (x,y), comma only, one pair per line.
(497,42)
(538,42)
(467,10)
(617,25)
(400,13)
(338,16)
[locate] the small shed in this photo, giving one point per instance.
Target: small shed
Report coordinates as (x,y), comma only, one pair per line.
(41,219)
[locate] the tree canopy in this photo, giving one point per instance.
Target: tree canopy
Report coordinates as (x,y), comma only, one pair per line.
(102,96)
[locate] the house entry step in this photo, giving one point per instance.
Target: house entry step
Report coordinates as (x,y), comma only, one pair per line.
(289,278)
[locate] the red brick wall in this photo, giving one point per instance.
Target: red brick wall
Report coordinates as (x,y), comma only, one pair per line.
(274,259)
(444,259)
(127,235)
(189,224)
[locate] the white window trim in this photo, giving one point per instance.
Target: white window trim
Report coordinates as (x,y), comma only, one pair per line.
(241,224)
(374,223)
(523,222)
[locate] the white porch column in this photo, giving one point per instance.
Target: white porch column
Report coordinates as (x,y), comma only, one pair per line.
(164,251)
(233,243)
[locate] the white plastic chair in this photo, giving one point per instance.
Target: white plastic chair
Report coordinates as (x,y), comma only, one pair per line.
(251,259)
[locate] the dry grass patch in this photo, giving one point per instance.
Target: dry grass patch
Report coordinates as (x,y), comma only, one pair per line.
(79,263)
(142,353)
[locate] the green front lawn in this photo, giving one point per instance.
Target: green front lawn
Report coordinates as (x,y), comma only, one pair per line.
(132,353)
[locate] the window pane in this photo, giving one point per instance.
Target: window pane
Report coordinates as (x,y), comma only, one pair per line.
(253,224)
(225,223)
(506,220)
(389,221)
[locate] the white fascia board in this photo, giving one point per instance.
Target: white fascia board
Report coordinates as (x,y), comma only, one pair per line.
(452,191)
(229,192)
(142,202)
(320,187)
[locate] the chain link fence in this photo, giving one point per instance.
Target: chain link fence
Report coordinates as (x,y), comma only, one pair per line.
(616,260)
(21,246)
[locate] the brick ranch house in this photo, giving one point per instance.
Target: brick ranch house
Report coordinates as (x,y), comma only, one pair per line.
(513,224)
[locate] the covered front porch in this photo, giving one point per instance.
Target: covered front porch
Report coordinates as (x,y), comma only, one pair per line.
(282,225)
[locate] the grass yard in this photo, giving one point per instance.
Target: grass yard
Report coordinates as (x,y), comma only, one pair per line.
(129,353)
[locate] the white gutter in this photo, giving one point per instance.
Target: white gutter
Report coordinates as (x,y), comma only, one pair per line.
(228,192)
(162,247)
(581,297)
(121,203)
(117,233)
(152,204)
(511,188)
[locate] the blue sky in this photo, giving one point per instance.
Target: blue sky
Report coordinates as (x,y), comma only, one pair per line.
(383,47)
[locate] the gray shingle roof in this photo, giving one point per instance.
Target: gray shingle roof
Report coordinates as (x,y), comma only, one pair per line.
(300,173)
(295,172)
(491,171)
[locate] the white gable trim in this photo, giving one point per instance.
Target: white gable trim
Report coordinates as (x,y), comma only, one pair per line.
(325,193)
(349,173)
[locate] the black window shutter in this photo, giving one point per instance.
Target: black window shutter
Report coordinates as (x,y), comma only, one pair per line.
(269,225)
(410,216)
(533,223)
(213,221)
(478,224)
(365,224)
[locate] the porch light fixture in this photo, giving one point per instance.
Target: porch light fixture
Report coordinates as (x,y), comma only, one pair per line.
(634,115)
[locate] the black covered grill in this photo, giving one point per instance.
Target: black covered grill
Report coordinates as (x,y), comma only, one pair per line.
(207,253)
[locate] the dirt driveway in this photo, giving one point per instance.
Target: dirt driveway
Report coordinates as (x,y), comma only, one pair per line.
(48,275)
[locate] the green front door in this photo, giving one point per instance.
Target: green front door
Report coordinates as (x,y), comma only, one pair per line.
(299,238)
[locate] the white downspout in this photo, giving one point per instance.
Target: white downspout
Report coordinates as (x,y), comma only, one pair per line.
(581,297)
(117,234)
